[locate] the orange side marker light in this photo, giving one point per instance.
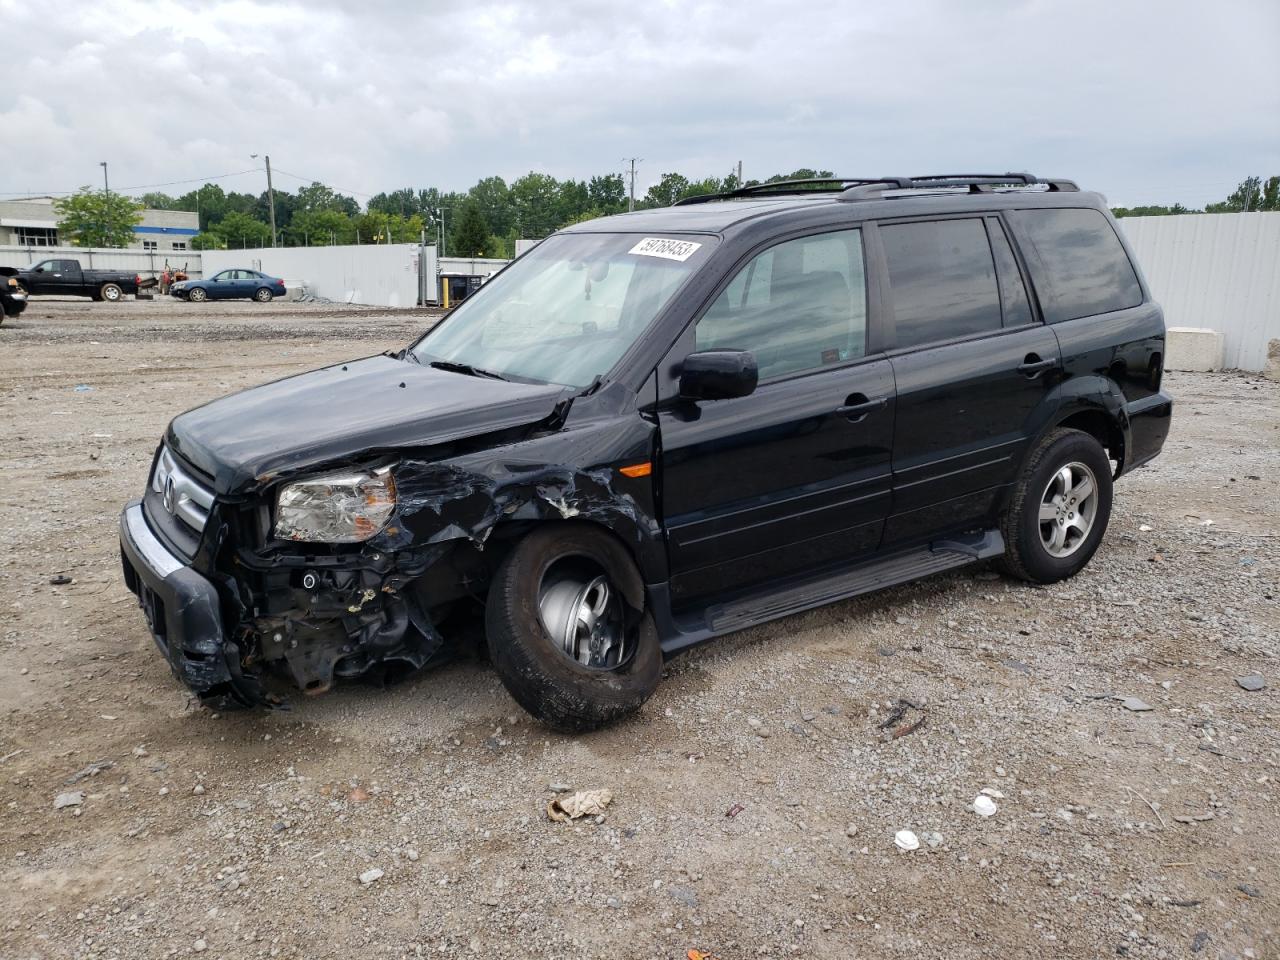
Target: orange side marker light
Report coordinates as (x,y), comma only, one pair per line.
(637,470)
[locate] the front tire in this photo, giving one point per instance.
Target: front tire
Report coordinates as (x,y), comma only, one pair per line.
(262,295)
(197,295)
(110,292)
(1059,510)
(566,642)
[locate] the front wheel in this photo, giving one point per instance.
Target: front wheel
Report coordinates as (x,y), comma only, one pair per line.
(1059,510)
(565,633)
(262,295)
(197,295)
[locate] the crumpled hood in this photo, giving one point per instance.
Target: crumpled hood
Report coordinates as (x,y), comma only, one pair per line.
(342,411)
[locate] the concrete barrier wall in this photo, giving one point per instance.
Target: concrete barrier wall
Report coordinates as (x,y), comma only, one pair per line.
(1220,271)
(103,258)
(384,275)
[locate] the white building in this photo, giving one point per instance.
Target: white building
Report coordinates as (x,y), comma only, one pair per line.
(32,222)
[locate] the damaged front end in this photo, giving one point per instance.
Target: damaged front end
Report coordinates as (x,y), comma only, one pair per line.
(358,572)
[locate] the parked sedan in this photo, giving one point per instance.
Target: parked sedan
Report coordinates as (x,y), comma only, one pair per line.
(230,285)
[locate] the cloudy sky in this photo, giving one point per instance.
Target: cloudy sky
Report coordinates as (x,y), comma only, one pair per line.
(1151,102)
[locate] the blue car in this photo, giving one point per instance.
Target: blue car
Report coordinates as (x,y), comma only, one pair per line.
(230,285)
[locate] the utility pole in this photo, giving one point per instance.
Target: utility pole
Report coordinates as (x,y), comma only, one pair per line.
(631,200)
(739,173)
(106,188)
(271,196)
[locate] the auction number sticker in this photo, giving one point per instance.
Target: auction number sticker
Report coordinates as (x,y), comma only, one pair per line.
(680,250)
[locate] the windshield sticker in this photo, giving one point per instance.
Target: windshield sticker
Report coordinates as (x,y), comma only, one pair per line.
(680,250)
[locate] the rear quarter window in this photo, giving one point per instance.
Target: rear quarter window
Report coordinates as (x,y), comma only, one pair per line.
(1080,268)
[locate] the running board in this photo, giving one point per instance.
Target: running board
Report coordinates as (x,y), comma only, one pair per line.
(764,605)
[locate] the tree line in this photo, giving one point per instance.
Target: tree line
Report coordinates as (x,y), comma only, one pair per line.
(484,221)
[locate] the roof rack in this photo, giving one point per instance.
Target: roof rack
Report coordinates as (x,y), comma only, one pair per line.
(869,188)
(975,182)
(782,188)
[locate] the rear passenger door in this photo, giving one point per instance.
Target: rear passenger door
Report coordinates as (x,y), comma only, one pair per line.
(973,365)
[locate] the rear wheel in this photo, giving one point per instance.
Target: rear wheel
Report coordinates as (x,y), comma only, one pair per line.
(1059,510)
(197,295)
(568,641)
(262,295)
(110,292)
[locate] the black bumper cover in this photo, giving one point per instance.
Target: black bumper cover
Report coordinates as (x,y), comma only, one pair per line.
(183,614)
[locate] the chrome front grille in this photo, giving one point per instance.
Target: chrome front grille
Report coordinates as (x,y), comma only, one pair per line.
(181,494)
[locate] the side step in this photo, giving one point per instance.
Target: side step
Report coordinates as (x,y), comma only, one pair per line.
(785,600)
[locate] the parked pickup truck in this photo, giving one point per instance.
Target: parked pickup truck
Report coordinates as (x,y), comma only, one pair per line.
(65,278)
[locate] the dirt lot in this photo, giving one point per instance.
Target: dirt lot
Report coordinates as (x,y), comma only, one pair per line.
(1118,833)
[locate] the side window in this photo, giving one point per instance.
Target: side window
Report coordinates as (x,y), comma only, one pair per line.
(800,305)
(1013,291)
(943,280)
(1086,271)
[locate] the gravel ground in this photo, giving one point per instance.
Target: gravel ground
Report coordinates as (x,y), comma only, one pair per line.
(756,797)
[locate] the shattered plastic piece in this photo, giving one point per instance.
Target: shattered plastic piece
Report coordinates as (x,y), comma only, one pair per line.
(72,798)
(61,580)
(83,388)
(733,811)
(906,840)
(585,803)
(370,876)
(1146,528)
(984,806)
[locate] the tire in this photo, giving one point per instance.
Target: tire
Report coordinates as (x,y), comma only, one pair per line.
(1048,537)
(110,292)
(197,295)
(547,681)
(262,295)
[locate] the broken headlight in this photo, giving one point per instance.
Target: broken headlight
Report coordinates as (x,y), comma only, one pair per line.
(346,507)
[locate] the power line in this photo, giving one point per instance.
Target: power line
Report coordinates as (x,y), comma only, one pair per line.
(139,186)
(310,180)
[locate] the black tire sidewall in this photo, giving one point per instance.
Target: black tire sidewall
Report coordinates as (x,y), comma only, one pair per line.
(111,286)
(1074,447)
(259,295)
(559,692)
(191,296)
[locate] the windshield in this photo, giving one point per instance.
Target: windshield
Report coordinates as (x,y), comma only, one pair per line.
(569,309)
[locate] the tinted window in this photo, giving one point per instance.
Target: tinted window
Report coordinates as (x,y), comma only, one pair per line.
(1013,292)
(1086,269)
(797,306)
(943,280)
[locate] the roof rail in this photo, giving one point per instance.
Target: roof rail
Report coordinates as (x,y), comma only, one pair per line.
(868,188)
(782,187)
(976,183)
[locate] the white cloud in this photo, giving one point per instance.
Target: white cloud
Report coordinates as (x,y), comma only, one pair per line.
(1155,102)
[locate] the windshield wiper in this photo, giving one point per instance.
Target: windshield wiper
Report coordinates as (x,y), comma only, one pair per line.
(466,368)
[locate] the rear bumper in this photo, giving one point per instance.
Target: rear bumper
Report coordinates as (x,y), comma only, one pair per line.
(1149,421)
(180,605)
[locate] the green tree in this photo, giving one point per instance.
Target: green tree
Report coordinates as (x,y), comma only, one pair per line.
(95,218)
(404,202)
(536,199)
(322,228)
(379,227)
(239,230)
(157,201)
(608,194)
(1152,211)
(669,188)
(319,197)
(493,197)
(208,241)
(1251,196)
(470,235)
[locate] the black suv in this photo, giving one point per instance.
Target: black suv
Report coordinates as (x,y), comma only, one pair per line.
(661,427)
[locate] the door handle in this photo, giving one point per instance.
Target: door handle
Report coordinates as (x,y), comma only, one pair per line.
(1032,366)
(857,406)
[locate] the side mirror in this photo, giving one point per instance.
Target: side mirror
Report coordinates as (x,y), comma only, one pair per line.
(719,375)
(38,270)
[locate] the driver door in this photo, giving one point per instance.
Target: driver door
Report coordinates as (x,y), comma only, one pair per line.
(222,285)
(796,475)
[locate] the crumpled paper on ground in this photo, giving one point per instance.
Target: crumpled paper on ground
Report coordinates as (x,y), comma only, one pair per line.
(584,803)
